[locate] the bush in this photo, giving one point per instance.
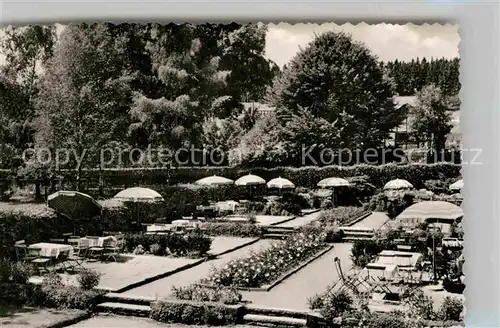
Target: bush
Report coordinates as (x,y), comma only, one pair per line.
(231,229)
(70,297)
(194,244)
(194,313)
(378,203)
(31,222)
(341,215)
(308,176)
(89,279)
(451,309)
(156,249)
(16,272)
(21,294)
(220,294)
(335,304)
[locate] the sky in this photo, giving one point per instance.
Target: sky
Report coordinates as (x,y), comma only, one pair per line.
(387,41)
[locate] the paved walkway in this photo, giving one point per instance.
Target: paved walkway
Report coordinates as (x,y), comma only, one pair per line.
(162,288)
(374,221)
(294,292)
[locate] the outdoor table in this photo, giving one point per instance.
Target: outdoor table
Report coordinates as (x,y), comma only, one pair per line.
(50,249)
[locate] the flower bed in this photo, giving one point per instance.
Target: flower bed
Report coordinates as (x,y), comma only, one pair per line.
(196,313)
(264,267)
(194,292)
(192,244)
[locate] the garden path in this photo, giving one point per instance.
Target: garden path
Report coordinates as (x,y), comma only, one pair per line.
(315,278)
(374,221)
(162,287)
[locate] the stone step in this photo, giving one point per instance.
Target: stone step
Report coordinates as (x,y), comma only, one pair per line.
(128,299)
(268,311)
(274,321)
(124,309)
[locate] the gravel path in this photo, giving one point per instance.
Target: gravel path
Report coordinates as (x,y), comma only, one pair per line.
(162,288)
(374,221)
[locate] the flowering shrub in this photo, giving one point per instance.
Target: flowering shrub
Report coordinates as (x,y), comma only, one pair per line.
(88,279)
(263,267)
(221,294)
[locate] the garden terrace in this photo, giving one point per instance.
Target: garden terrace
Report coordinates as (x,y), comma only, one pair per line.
(264,267)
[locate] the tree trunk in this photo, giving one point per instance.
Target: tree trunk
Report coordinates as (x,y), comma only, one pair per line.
(38,193)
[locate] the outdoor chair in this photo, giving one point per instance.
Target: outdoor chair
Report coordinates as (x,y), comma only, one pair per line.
(115,248)
(63,261)
(80,247)
(57,240)
(94,249)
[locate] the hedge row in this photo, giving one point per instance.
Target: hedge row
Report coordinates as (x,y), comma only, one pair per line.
(306,176)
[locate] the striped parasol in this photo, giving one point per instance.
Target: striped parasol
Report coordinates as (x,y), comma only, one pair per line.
(333,182)
(397,184)
(250,180)
(214,181)
(280,183)
(74,204)
(432,210)
(138,195)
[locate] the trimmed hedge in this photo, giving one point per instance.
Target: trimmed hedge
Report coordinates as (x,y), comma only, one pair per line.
(231,229)
(194,244)
(31,222)
(195,313)
(307,176)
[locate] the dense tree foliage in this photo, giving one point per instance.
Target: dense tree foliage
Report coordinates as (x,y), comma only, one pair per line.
(99,86)
(340,83)
(414,75)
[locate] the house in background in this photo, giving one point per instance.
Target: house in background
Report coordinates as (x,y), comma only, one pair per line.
(402,136)
(262,109)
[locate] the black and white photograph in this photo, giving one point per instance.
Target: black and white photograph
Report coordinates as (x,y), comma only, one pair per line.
(239,175)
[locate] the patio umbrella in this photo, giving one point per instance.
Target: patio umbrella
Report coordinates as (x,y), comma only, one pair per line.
(214,181)
(139,195)
(74,205)
(280,183)
(397,184)
(333,182)
(457,186)
(439,210)
(250,180)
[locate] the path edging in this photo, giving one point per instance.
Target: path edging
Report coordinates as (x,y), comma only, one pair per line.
(71,321)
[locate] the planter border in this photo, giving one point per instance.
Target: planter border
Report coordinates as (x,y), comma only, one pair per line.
(68,322)
(281,278)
